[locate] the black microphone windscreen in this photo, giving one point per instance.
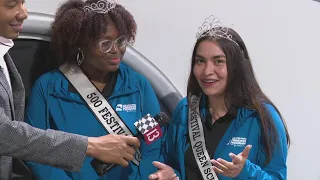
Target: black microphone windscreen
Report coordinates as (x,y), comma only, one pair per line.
(162,119)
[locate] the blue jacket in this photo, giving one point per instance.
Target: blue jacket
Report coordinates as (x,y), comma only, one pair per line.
(245,125)
(52,106)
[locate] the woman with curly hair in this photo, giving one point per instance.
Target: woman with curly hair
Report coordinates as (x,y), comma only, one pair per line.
(91,37)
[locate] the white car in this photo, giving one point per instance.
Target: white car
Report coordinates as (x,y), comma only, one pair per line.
(31,55)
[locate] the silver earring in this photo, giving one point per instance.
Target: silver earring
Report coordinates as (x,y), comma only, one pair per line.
(80,57)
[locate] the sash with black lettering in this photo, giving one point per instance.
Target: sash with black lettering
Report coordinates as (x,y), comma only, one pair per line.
(102,110)
(197,141)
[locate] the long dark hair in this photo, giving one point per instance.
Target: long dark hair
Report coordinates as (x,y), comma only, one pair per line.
(242,89)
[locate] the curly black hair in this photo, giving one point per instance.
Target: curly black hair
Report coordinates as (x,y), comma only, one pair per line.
(73,28)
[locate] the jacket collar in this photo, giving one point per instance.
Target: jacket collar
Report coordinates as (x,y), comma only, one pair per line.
(241,115)
(125,84)
(17,95)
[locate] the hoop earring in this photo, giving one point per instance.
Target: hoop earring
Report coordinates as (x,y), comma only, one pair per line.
(80,57)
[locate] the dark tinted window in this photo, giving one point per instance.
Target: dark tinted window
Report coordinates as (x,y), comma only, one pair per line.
(32,58)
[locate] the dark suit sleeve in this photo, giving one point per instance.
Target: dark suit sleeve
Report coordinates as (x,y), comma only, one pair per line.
(54,148)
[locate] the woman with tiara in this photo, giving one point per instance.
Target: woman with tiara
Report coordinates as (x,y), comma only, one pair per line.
(92,92)
(226,128)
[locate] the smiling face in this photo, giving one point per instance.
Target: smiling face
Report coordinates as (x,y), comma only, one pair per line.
(210,68)
(12,15)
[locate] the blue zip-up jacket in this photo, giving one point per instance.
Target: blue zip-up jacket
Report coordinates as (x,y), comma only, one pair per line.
(245,125)
(52,106)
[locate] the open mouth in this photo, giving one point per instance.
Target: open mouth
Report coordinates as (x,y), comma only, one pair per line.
(209,82)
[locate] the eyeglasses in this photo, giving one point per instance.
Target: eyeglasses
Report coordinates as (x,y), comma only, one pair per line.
(106,45)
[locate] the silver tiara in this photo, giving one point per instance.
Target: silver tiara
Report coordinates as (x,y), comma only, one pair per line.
(213,27)
(102,6)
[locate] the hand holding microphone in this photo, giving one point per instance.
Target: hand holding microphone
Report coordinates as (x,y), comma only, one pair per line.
(148,127)
(113,148)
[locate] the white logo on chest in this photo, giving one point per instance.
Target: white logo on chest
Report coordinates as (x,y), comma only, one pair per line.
(126,107)
(237,142)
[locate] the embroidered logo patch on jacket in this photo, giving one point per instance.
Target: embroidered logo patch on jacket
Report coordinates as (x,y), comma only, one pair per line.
(237,141)
(126,107)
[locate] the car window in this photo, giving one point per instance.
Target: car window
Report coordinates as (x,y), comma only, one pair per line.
(32,58)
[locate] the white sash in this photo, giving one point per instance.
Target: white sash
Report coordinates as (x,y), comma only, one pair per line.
(197,141)
(102,110)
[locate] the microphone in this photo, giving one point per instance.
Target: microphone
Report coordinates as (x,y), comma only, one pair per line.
(148,127)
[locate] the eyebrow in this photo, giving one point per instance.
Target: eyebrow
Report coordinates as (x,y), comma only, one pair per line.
(214,57)
(106,36)
(7,1)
